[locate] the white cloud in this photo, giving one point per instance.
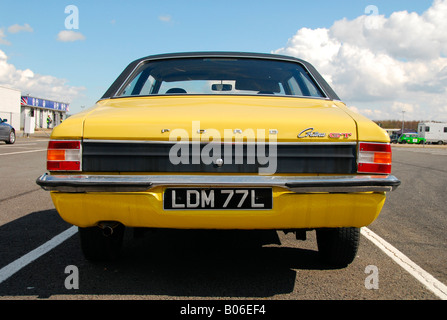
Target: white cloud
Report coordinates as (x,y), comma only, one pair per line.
(2,38)
(18,28)
(379,63)
(354,109)
(165,18)
(44,86)
(400,106)
(70,36)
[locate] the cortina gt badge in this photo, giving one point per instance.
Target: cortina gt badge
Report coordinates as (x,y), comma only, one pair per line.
(310,133)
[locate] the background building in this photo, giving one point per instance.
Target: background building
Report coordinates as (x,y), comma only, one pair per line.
(41,109)
(10,106)
(16,108)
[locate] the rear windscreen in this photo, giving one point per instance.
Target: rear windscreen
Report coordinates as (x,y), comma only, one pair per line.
(221,76)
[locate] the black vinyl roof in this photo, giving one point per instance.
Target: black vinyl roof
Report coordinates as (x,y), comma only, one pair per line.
(219,54)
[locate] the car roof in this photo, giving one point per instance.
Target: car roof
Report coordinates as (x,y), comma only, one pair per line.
(219,54)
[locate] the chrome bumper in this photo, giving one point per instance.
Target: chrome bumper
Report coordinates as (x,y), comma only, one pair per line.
(298,184)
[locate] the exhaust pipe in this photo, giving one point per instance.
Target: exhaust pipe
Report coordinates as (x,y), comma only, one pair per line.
(107,228)
(107,231)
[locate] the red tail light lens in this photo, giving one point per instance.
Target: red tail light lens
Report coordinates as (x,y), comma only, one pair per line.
(374,158)
(64,155)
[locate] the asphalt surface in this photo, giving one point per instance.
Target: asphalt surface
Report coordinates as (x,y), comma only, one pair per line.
(203,265)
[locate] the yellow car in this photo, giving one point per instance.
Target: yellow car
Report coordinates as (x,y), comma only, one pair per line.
(219,140)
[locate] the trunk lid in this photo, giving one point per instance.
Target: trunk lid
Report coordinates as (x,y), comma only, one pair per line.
(159,118)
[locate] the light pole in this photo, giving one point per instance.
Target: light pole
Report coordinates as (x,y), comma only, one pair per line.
(403,121)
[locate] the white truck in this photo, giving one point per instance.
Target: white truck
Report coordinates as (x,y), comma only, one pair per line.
(433,132)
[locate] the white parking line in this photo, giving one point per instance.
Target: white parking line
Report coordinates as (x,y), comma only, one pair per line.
(18,145)
(22,262)
(435,286)
(18,152)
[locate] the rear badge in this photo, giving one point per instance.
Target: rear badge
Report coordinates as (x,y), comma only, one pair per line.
(336,135)
(310,133)
(219,162)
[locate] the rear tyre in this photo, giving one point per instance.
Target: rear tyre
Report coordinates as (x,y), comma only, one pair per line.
(11,137)
(96,246)
(338,246)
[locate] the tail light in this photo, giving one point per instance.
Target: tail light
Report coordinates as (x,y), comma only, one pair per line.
(374,158)
(64,155)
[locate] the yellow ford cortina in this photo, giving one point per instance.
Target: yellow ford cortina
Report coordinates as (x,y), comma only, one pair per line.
(219,140)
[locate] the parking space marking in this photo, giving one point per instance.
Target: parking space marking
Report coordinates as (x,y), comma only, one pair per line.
(22,262)
(434,151)
(18,152)
(430,282)
(18,145)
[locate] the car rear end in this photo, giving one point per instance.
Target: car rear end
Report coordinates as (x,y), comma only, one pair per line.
(218,161)
(167,182)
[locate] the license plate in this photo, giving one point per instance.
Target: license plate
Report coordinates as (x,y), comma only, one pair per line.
(218,198)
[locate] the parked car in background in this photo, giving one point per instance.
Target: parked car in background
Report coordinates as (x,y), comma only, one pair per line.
(411,138)
(219,140)
(7,132)
(394,137)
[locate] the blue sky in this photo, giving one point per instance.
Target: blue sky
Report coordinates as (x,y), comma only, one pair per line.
(118,32)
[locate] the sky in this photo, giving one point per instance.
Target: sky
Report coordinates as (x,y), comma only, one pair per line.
(381,57)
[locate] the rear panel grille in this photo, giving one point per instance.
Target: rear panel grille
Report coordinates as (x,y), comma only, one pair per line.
(154,157)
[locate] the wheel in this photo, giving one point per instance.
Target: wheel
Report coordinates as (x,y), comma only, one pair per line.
(338,246)
(98,245)
(12,137)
